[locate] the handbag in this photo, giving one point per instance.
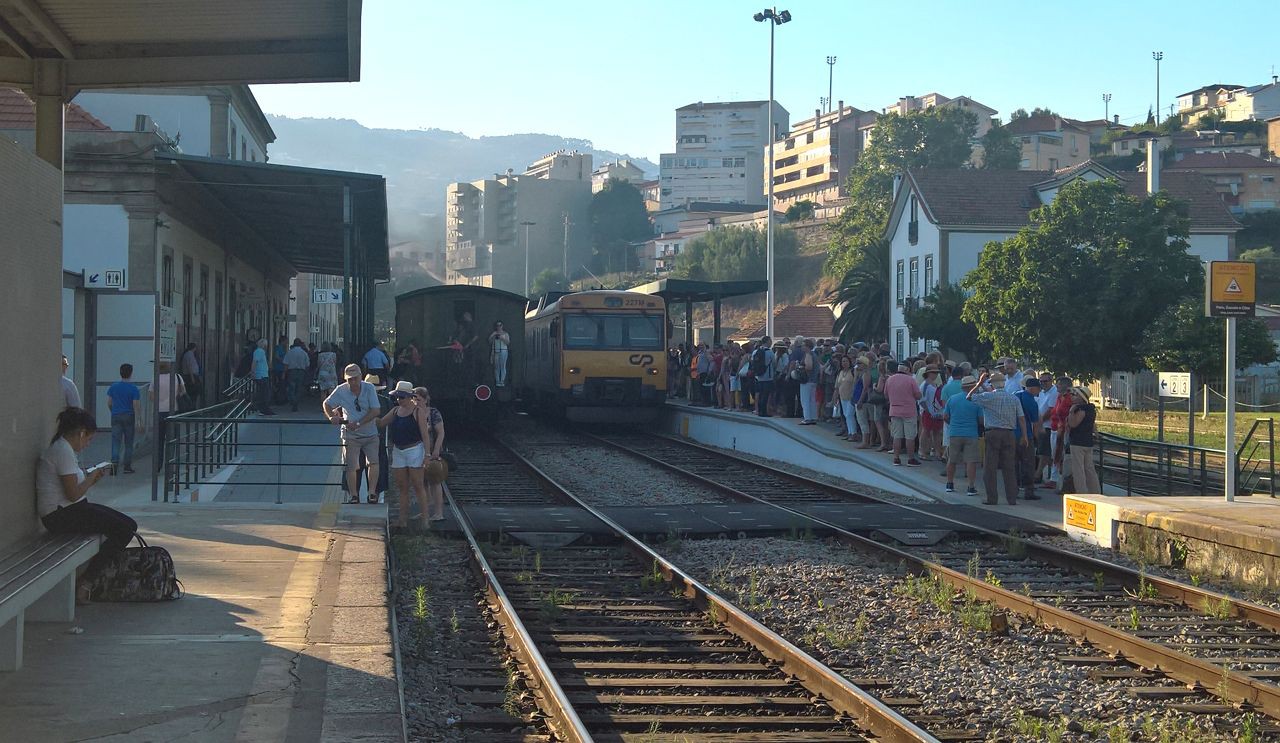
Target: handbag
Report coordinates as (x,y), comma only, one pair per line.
(876,397)
(450,459)
(142,573)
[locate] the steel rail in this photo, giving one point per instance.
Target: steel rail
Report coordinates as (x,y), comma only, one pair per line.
(1193,597)
(1196,673)
(561,716)
(835,690)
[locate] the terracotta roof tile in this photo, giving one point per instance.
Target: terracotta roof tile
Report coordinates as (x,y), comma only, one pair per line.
(1032,124)
(811,321)
(18,112)
(1204,205)
(1196,160)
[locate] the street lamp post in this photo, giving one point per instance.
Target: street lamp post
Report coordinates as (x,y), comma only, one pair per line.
(775,18)
(526,225)
(831,73)
(1157,56)
(1106,108)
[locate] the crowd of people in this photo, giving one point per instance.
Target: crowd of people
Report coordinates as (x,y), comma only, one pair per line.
(1024,429)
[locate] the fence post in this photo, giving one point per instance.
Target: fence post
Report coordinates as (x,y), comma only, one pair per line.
(1128,468)
(279,460)
(1204,475)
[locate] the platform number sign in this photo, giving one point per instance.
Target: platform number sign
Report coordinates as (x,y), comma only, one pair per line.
(326,296)
(1175,384)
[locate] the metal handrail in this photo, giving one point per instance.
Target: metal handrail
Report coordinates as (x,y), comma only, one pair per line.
(1160,468)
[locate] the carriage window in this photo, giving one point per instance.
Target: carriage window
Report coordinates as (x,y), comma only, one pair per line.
(613,332)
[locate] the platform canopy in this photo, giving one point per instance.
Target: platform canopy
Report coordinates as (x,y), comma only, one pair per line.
(688,290)
(299,211)
(78,44)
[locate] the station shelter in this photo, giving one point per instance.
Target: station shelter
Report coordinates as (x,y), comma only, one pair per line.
(54,49)
(688,292)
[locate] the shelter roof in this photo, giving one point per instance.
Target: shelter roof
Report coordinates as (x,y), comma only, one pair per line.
(688,290)
(299,211)
(810,321)
(18,112)
(122,43)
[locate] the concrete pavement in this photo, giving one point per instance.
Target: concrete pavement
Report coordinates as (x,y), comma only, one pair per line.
(283,635)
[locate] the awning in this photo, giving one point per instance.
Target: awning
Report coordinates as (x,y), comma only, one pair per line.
(299,211)
(125,43)
(687,290)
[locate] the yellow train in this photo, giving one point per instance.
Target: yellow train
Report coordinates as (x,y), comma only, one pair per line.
(597,356)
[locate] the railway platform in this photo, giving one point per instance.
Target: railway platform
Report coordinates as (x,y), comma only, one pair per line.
(283,633)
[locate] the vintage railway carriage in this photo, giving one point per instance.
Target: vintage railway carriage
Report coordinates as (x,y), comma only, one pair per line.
(597,356)
(451,325)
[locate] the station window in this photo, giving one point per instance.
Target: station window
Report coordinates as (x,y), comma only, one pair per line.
(897,283)
(166,280)
(898,343)
(928,274)
(915,278)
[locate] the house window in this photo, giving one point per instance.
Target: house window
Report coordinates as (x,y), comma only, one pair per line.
(913,226)
(928,274)
(898,282)
(899,341)
(739,162)
(915,278)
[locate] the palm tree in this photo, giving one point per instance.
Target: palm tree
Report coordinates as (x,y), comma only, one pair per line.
(863,296)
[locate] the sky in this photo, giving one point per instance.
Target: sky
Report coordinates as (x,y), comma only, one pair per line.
(613,72)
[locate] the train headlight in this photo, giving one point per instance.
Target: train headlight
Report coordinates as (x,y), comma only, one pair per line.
(653,371)
(574,370)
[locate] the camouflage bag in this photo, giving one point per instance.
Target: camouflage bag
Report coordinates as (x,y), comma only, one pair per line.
(142,573)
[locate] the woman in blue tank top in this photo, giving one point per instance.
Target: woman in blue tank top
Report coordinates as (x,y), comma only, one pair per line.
(406,425)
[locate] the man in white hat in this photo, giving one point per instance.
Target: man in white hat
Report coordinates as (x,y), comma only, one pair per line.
(354,406)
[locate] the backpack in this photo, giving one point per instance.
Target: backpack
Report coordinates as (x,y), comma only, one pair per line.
(245,365)
(141,573)
(757,363)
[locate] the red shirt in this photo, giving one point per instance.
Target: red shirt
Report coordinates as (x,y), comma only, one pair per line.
(1058,416)
(902,392)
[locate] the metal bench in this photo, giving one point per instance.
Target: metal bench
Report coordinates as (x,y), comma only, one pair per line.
(38,583)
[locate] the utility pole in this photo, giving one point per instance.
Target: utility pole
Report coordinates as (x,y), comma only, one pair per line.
(1157,56)
(822,103)
(831,74)
(774,18)
(566,246)
(1106,107)
(526,225)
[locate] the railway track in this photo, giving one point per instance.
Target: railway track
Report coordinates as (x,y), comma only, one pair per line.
(1208,641)
(618,644)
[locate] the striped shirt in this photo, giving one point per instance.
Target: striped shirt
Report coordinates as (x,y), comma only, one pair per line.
(999,408)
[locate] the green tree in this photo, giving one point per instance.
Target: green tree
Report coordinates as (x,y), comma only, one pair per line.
(618,218)
(549,280)
(933,138)
(1078,287)
(939,317)
(1037,111)
(734,254)
(862,298)
(1183,339)
(1000,151)
(1268,272)
(800,210)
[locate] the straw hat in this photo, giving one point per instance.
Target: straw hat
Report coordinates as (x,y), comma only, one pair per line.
(969,381)
(996,378)
(373,380)
(404,388)
(437,471)
(1081,392)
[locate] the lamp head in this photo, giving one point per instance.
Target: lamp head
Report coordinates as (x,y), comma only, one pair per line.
(783,17)
(762,16)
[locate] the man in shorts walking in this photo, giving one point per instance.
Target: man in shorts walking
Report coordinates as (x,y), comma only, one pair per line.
(354,406)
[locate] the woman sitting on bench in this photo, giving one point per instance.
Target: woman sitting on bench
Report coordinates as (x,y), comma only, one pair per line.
(61,487)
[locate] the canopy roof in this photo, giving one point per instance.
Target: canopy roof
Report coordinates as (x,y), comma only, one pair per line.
(123,43)
(688,290)
(298,211)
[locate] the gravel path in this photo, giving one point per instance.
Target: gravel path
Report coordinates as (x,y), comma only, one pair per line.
(850,613)
(452,625)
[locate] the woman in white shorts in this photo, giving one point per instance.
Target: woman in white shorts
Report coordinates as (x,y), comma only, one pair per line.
(406,425)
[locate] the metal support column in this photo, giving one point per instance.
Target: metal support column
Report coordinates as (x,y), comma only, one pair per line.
(688,324)
(716,327)
(348,309)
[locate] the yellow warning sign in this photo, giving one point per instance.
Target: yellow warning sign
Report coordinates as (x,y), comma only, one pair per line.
(1232,289)
(1082,514)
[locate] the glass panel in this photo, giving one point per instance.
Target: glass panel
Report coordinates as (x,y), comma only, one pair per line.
(613,332)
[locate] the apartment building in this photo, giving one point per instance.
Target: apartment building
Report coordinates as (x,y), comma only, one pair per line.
(492,224)
(910,103)
(1232,102)
(717,156)
(619,170)
(1049,142)
(813,162)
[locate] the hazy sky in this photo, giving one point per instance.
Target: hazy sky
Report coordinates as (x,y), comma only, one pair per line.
(613,71)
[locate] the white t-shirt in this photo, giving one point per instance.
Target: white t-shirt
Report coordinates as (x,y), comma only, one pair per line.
(58,460)
(343,397)
(1013,384)
(70,394)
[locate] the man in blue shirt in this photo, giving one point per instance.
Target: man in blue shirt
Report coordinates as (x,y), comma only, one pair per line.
(961,415)
(262,378)
(124,400)
(1027,443)
(762,367)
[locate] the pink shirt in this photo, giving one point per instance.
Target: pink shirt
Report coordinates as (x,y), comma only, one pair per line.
(902,392)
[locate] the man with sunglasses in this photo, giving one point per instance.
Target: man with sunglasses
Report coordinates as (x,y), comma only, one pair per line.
(354,406)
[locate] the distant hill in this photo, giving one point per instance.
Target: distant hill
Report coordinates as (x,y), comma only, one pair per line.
(418,164)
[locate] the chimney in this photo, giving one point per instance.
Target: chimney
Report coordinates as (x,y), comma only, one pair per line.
(840,111)
(1153,166)
(897,184)
(1116,119)
(817,115)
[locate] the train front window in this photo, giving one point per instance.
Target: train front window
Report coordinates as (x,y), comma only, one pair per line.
(613,332)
